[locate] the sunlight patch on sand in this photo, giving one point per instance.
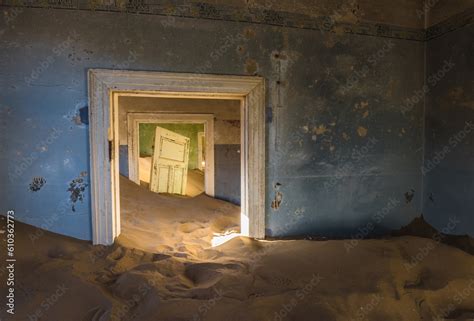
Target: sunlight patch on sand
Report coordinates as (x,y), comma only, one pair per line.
(221,238)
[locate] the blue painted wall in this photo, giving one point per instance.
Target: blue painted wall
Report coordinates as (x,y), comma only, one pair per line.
(227,172)
(342,157)
(449,160)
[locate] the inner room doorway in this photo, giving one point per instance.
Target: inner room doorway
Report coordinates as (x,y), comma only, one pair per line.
(177,201)
(106,87)
(137,142)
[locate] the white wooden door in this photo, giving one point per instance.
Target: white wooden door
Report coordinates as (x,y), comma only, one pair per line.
(169,168)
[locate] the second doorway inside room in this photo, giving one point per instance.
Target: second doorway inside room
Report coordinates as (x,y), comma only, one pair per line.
(172,158)
(180,172)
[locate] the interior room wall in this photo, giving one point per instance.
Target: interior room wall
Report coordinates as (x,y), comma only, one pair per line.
(344,138)
(449,159)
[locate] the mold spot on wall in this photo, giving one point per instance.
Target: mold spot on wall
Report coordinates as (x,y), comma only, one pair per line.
(84,115)
(249,33)
(278,197)
(240,49)
(76,189)
(251,66)
(37,183)
(409,196)
(362,131)
(431,197)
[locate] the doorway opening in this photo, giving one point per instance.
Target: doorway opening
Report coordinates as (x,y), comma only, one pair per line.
(106,87)
(140,139)
(168,160)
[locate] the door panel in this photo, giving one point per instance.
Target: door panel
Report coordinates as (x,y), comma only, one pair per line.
(164,178)
(169,168)
(172,150)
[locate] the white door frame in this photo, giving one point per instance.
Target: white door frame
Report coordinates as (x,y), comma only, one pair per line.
(134,119)
(200,158)
(105,86)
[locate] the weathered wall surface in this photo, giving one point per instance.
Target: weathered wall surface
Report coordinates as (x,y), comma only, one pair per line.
(403,13)
(440,10)
(343,150)
(227,172)
(449,160)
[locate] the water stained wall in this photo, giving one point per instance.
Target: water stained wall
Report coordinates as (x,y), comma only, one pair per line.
(344,148)
(449,161)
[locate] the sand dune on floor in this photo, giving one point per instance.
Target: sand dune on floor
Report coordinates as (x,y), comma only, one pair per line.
(165,270)
(159,222)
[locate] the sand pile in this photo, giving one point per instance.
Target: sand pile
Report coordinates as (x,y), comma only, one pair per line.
(419,227)
(172,224)
(400,278)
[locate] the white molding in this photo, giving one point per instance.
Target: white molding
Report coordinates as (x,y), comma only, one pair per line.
(104,88)
(134,119)
(200,149)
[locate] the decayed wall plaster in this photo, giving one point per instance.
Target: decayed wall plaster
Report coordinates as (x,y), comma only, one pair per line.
(448,168)
(344,133)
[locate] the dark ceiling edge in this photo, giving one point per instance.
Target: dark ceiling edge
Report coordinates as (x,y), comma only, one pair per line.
(453,23)
(268,17)
(253,15)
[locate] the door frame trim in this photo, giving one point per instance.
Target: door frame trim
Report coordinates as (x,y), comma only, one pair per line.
(134,119)
(104,87)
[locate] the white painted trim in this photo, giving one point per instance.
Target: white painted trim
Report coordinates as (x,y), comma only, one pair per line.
(104,85)
(134,119)
(200,135)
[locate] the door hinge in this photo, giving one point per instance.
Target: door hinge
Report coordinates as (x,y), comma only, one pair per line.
(110,150)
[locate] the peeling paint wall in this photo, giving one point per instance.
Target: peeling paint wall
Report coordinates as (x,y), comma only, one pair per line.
(342,141)
(449,161)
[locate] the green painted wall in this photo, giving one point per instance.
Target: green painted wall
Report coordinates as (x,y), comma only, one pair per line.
(147,136)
